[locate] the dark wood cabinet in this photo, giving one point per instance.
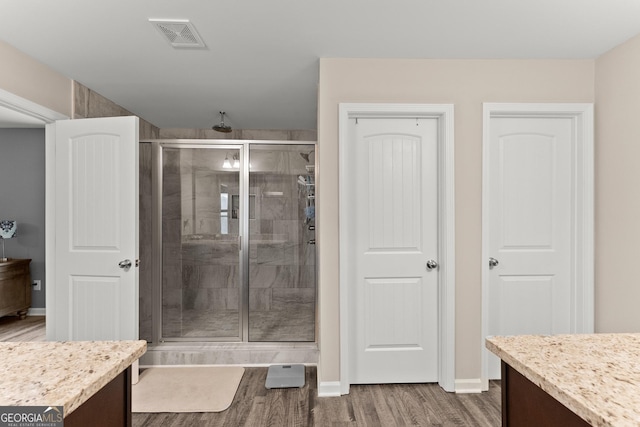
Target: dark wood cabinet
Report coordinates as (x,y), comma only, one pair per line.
(524,404)
(109,407)
(15,287)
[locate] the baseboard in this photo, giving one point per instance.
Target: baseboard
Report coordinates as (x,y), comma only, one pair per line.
(329,389)
(471,385)
(37,311)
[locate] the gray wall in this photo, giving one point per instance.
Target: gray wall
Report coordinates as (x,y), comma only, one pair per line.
(22,190)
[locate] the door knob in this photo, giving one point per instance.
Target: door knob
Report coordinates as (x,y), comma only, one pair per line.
(493,262)
(125,264)
(431,264)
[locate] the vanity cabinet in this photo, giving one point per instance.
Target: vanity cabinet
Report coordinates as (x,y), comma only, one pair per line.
(91,380)
(524,404)
(575,380)
(15,287)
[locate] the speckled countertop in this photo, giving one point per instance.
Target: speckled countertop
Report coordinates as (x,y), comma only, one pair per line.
(61,373)
(597,376)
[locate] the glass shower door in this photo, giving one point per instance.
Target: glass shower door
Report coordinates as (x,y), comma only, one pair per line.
(201,273)
(282,279)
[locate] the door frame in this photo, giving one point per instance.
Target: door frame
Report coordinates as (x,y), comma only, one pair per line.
(582,256)
(46,116)
(446,227)
(29,108)
(158,153)
(244,147)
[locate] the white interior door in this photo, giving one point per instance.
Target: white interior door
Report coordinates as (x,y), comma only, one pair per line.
(92,220)
(531,196)
(394,322)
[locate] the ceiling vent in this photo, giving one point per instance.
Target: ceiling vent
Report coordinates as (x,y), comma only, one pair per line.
(180,33)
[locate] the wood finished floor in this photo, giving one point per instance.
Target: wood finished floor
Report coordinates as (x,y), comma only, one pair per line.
(365,405)
(32,328)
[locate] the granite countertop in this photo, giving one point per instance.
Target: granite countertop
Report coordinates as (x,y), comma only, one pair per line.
(61,373)
(597,376)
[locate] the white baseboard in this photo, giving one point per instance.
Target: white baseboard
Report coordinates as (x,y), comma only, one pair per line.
(471,385)
(333,388)
(37,312)
(329,389)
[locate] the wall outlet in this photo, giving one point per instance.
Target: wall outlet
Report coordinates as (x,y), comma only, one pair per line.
(37,285)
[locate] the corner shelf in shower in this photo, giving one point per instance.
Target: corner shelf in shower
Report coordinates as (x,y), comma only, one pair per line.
(308,186)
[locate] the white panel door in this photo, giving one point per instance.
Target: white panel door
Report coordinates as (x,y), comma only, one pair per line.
(96,230)
(530,226)
(395,300)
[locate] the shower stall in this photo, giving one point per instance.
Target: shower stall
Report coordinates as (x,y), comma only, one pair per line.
(232,242)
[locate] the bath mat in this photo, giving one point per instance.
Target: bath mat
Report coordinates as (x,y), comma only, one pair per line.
(186,389)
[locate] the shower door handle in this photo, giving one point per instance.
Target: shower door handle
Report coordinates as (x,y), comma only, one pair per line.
(125,264)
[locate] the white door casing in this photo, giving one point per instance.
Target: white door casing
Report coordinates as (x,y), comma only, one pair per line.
(396,315)
(92,225)
(537,222)
(28,112)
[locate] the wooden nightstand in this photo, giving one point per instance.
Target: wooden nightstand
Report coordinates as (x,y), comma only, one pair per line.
(15,287)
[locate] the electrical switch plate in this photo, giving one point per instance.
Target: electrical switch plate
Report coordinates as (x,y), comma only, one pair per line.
(37,285)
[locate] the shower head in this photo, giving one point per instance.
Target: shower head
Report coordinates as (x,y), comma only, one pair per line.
(305,156)
(222,127)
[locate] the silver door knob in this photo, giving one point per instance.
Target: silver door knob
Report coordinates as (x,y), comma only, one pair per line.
(125,264)
(431,264)
(493,262)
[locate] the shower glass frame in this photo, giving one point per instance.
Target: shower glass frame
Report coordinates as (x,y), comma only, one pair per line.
(243,147)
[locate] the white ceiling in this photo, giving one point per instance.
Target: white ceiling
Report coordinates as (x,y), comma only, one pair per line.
(262,56)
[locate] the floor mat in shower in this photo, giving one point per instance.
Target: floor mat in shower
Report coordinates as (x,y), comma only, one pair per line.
(186,389)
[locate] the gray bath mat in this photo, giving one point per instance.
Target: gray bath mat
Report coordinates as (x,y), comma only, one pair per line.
(285,376)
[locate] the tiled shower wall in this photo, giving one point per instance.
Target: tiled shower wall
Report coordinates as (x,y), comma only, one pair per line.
(90,104)
(244,134)
(145,230)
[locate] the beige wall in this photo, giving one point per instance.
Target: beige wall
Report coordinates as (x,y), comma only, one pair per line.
(617,237)
(466,84)
(27,78)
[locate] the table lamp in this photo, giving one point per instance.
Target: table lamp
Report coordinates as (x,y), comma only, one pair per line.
(7,231)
